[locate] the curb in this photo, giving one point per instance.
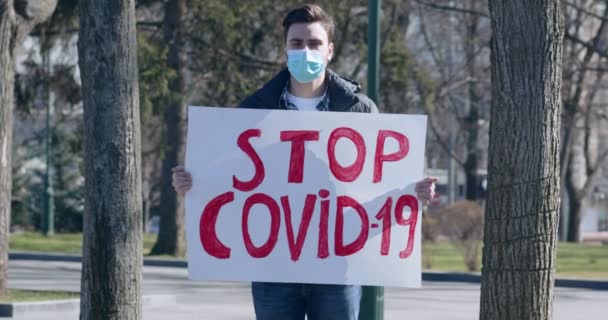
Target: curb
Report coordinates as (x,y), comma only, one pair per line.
(581,284)
(476,278)
(9,310)
(426,276)
(63,257)
(451,277)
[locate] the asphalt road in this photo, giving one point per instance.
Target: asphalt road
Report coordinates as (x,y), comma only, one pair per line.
(220,301)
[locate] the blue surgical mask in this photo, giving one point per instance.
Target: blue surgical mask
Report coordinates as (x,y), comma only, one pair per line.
(305,65)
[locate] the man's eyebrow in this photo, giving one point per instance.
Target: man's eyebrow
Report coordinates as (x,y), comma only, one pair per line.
(310,39)
(315,39)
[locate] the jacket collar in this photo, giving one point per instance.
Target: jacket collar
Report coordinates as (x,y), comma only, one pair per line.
(342,92)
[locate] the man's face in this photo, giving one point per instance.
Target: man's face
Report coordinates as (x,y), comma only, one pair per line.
(310,35)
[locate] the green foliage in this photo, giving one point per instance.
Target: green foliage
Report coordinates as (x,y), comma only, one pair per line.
(68,172)
(426,87)
(27,187)
(407,87)
(66,14)
(395,73)
(68,183)
(154,76)
(65,85)
(239,45)
(20,208)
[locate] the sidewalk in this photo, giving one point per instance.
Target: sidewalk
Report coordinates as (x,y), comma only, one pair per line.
(223,301)
(435,276)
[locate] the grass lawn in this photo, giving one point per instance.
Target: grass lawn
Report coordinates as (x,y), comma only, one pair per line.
(573,260)
(17,295)
(59,243)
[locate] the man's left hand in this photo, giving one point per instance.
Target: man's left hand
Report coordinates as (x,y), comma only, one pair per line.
(425,190)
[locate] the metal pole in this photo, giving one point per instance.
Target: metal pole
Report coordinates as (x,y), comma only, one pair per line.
(373,44)
(452,168)
(452,165)
(49,205)
(372,300)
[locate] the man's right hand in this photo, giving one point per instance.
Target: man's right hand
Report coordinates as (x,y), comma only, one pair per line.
(181,180)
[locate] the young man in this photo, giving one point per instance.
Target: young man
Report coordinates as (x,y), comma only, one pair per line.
(306,84)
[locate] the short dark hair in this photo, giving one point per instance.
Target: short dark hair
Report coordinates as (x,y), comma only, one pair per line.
(309,13)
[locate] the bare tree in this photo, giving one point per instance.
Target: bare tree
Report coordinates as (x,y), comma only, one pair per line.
(584,76)
(112,248)
(582,82)
(172,236)
(522,210)
(459,104)
(17,19)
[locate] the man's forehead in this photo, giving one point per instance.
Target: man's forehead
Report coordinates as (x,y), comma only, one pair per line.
(310,30)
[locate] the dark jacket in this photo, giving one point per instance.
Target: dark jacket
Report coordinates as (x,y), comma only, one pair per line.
(344,95)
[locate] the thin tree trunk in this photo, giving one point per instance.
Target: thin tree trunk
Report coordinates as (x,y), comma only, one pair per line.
(577,76)
(7,76)
(171,238)
(524,174)
(575,210)
(112,248)
(472,121)
(15,23)
(574,205)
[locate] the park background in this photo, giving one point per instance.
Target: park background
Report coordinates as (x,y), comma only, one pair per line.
(435,60)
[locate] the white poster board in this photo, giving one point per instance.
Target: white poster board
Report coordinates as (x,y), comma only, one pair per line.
(349,176)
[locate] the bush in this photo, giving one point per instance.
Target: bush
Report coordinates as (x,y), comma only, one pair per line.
(462,223)
(429,235)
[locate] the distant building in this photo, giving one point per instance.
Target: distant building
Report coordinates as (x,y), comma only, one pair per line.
(594,223)
(442,190)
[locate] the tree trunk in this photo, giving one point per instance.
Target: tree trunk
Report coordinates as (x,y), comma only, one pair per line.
(112,248)
(7,77)
(472,121)
(575,209)
(16,21)
(171,237)
(472,178)
(524,176)
(574,204)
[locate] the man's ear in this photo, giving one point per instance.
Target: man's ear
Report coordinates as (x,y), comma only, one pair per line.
(330,52)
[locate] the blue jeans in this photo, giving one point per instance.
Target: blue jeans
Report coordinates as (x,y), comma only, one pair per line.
(292,301)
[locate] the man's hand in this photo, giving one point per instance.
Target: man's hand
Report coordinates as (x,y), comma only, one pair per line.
(425,190)
(181,180)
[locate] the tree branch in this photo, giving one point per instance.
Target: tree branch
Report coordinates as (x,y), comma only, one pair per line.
(583,10)
(237,55)
(591,178)
(442,143)
(599,51)
(590,168)
(452,8)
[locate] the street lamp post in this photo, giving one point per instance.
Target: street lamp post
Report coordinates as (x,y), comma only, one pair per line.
(372,300)
(49,205)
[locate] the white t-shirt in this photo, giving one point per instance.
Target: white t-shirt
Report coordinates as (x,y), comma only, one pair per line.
(305,104)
